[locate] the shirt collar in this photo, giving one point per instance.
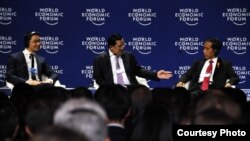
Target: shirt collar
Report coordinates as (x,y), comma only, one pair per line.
(27,52)
(111,54)
(214,59)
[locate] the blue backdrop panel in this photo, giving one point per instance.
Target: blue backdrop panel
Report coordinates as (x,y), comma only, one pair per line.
(162,34)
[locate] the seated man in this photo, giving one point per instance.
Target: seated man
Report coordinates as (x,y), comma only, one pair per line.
(210,72)
(120,67)
(27,66)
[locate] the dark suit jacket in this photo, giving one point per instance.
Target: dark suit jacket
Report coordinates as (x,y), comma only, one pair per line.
(17,69)
(103,71)
(223,71)
(117,133)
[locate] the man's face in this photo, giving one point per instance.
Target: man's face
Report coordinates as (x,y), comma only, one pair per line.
(208,50)
(118,47)
(34,44)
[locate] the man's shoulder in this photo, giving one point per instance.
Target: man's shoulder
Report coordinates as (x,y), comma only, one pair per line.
(128,53)
(40,57)
(102,55)
(17,54)
(224,61)
(199,61)
(105,54)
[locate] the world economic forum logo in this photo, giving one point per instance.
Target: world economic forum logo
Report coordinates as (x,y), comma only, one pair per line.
(49,15)
(238,45)
(57,69)
(247,92)
(143,16)
(190,45)
(87,72)
(237,16)
(6,44)
(95,44)
(6,15)
(181,70)
(147,67)
(143,45)
(242,72)
(190,16)
(51,44)
(3,69)
(97,16)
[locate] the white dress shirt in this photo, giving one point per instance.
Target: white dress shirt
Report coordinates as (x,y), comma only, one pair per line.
(121,70)
(28,61)
(203,71)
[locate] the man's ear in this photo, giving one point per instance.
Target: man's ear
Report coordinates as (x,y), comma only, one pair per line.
(111,48)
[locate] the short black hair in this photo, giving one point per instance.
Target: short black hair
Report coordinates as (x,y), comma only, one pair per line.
(113,38)
(216,45)
(8,119)
(28,36)
(114,99)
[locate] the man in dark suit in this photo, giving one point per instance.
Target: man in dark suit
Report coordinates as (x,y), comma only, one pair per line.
(27,66)
(120,67)
(221,73)
(114,99)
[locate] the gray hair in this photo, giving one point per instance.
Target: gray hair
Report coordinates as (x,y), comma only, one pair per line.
(83,116)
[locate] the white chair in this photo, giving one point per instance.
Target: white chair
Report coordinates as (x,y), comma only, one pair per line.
(57,83)
(187,85)
(142,81)
(9,85)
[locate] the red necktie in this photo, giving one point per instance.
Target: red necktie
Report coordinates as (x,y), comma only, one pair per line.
(205,82)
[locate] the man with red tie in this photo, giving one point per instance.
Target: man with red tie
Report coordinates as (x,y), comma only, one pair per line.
(210,72)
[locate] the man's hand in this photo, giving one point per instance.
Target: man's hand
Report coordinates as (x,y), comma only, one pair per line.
(180,84)
(33,82)
(162,74)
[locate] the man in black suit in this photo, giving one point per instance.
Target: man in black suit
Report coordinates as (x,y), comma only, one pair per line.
(115,100)
(27,66)
(221,72)
(120,67)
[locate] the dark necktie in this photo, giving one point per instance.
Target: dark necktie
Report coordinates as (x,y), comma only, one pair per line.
(33,74)
(119,74)
(205,82)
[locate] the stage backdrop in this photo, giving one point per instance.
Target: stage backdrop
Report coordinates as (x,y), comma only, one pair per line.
(163,34)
